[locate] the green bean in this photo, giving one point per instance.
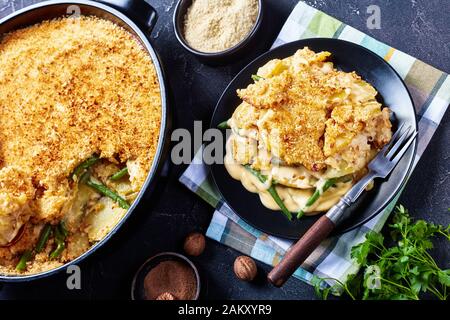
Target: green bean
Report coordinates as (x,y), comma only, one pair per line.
(313,198)
(45,234)
(86,164)
(223,125)
(22,265)
(272,191)
(119,174)
(63,229)
(84,177)
(256,173)
(57,252)
(109,193)
(317,193)
(256,77)
(300,214)
(60,237)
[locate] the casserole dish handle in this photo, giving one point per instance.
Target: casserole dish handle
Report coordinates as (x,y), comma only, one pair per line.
(140,11)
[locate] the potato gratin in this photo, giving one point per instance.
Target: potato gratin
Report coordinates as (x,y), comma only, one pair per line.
(80,115)
(304,133)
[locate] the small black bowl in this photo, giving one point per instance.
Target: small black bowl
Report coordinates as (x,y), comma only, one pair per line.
(221,57)
(137,286)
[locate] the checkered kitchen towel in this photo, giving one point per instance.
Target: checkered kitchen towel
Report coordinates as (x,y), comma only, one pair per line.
(430,89)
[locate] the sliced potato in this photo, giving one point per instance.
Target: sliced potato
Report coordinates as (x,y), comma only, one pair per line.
(74,215)
(102,218)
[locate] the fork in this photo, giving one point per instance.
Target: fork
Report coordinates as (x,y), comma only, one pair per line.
(380,167)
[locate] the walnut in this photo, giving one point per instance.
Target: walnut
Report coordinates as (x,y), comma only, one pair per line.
(245,268)
(194,244)
(166,296)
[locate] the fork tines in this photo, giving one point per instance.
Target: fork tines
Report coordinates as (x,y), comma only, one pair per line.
(399,143)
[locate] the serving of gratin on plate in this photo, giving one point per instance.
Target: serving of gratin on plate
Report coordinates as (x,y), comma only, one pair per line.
(80,109)
(304,133)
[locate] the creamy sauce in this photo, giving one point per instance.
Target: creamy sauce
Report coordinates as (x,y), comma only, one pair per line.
(294,198)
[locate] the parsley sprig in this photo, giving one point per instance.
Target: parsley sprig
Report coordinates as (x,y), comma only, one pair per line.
(403,271)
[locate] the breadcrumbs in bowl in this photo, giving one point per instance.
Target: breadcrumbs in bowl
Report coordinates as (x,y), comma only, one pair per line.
(79,102)
(213,26)
(219,32)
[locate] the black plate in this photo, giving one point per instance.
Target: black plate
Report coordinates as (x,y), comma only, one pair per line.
(348,57)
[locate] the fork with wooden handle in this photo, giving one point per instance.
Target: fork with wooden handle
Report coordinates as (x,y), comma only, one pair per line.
(379,167)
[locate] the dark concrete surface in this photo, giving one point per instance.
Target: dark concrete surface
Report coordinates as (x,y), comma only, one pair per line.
(418,27)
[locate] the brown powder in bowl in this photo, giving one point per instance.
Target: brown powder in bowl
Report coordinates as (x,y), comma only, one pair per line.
(174,277)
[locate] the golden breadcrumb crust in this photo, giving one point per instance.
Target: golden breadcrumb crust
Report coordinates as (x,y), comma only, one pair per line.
(71,88)
(309,111)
